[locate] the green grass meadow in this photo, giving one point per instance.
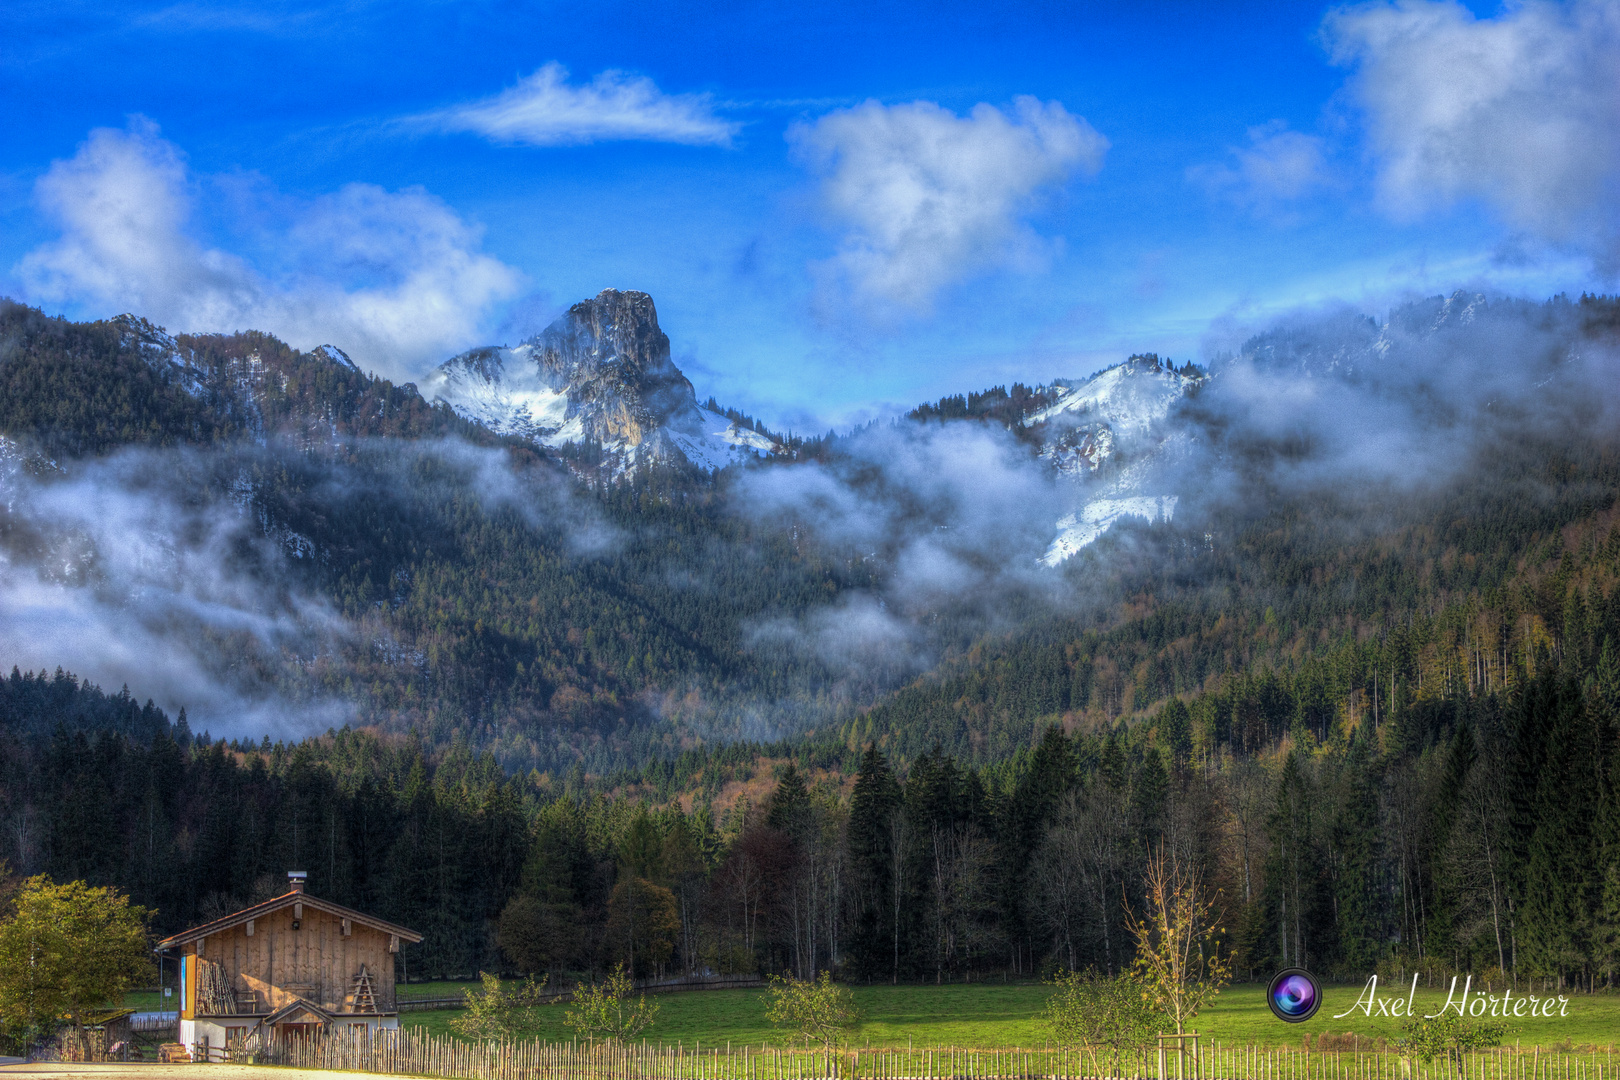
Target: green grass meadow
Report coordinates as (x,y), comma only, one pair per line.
(147,1001)
(989,1015)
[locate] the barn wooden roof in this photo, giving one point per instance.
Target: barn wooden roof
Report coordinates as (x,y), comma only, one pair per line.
(293,1008)
(259,911)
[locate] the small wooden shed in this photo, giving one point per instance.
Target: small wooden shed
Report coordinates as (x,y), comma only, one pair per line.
(107,1037)
(292,964)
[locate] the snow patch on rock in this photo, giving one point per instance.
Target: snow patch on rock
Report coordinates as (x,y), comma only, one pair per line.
(1085,525)
(505,391)
(1118,416)
(715,441)
(336,355)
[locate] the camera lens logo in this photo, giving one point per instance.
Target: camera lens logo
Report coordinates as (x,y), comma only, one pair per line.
(1294,995)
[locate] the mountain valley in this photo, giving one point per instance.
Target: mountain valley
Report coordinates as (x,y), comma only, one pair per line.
(479,657)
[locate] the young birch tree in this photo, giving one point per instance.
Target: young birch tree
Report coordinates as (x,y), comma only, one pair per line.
(1098,1012)
(1178,947)
(499,1012)
(818,1009)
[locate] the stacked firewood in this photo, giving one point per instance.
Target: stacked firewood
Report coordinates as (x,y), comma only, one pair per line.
(215,996)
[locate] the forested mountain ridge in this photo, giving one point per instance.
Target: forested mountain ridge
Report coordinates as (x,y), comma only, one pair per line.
(1473,827)
(476,584)
(424,571)
(88,388)
(1490,571)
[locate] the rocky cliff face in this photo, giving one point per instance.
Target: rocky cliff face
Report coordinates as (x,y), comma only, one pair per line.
(614,362)
(600,374)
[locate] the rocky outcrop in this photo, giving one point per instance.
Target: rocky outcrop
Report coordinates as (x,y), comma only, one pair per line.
(613,360)
(601,374)
(1121,408)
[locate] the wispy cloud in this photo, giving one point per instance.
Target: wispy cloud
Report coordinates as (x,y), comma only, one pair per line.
(930,198)
(546,110)
(1278,167)
(190,16)
(394,278)
(1517,110)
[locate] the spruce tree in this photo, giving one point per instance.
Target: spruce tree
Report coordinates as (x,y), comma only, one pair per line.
(874,807)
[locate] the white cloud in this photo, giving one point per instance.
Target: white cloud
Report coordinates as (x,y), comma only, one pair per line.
(1278,166)
(121,573)
(952,511)
(930,198)
(544,110)
(394,278)
(1521,110)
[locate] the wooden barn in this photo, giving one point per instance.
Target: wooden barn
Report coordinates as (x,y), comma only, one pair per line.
(292,964)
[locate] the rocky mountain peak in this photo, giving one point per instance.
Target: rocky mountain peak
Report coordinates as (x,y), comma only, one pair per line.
(615,330)
(612,358)
(602,374)
(152,341)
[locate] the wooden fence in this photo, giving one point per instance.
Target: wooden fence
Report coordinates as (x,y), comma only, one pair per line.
(410,1053)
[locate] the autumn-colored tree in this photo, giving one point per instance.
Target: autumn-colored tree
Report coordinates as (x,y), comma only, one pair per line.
(1178,945)
(643,924)
(535,935)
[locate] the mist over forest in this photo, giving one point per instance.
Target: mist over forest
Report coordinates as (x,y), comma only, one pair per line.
(1345,661)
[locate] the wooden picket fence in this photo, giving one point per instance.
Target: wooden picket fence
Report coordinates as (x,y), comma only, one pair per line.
(406,1052)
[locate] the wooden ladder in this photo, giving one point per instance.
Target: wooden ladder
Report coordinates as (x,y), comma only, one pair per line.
(363,998)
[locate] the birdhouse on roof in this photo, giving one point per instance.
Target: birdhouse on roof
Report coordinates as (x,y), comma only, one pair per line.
(293,964)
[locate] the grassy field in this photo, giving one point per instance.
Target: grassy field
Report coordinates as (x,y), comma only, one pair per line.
(146,1001)
(997,1015)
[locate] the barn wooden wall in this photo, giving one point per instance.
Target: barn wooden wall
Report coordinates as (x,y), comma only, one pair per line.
(316,962)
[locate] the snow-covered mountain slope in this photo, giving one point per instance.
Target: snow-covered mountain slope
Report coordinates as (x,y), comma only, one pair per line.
(158,347)
(1123,410)
(1126,415)
(601,374)
(1131,398)
(506,391)
(1117,409)
(1096,517)
(1347,344)
(715,441)
(337,356)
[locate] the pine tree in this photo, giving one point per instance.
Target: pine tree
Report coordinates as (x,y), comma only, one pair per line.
(1175,728)
(875,805)
(1560,873)
(1356,856)
(790,803)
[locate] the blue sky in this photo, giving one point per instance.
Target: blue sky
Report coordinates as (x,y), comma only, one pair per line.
(839,209)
